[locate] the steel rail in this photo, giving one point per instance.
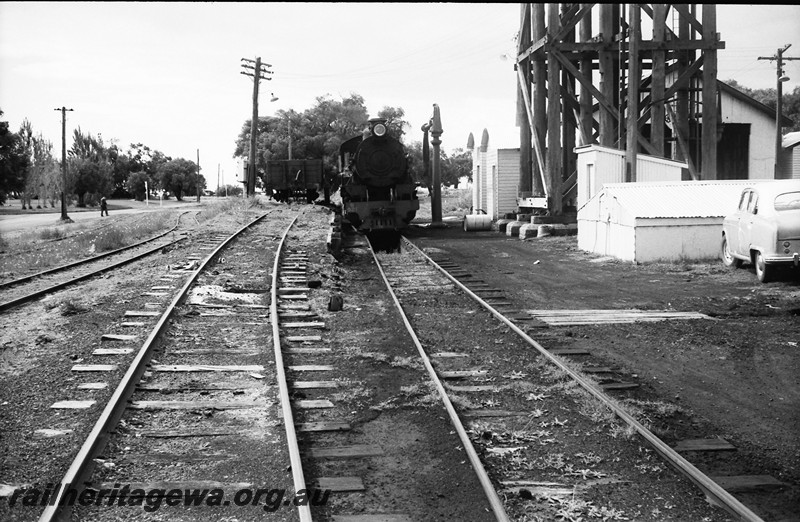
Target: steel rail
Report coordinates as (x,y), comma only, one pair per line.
(713,491)
(81,468)
(88,260)
(39,293)
(304,511)
(477,465)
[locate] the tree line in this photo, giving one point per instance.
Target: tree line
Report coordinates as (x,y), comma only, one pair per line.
(317,132)
(30,170)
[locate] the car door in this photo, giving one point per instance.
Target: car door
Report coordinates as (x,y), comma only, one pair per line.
(734,222)
(746,225)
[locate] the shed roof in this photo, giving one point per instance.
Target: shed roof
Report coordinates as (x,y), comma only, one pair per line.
(790,139)
(678,199)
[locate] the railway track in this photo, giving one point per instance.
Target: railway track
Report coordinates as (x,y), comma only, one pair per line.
(471,378)
(157,323)
(34,286)
(347,417)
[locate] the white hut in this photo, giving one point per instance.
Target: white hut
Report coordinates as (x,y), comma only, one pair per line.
(658,221)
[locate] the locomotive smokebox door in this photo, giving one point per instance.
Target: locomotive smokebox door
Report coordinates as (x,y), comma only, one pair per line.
(380,162)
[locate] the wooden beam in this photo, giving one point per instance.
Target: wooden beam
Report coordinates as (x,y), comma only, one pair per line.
(524,121)
(634,78)
(534,132)
(608,76)
(709,131)
(539,105)
(682,144)
(658,80)
(571,17)
(683,11)
(586,117)
(554,167)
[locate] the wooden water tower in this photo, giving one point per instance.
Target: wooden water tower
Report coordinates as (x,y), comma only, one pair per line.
(588,73)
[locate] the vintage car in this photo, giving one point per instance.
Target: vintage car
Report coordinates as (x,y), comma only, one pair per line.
(765,228)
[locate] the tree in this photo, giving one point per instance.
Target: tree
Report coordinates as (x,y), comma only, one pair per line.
(42,175)
(90,180)
(13,162)
(90,171)
(179,176)
(454,166)
(769,97)
(137,185)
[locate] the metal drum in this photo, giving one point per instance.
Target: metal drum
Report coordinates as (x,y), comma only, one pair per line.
(475,222)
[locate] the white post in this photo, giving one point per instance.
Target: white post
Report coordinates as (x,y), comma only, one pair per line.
(146,195)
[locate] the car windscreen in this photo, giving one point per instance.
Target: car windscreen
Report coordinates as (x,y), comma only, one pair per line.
(787,201)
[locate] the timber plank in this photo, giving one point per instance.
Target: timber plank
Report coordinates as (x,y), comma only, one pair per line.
(340,484)
(494,413)
(195,405)
(476,388)
(141,313)
(311,368)
(112,351)
(717,444)
(309,324)
(72,405)
(205,368)
(377,517)
(313,404)
(311,385)
(307,351)
(619,386)
(748,483)
(461,374)
(166,434)
(303,338)
(569,351)
(323,426)
(94,367)
(93,386)
(184,485)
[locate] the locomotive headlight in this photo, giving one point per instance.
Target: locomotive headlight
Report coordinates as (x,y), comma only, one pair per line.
(379,129)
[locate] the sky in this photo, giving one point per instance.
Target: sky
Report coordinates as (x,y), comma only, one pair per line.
(168,74)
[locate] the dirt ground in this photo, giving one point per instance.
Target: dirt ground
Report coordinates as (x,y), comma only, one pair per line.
(736,375)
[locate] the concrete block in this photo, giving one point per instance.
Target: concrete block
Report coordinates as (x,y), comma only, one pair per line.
(528,231)
(512,229)
(524,217)
(500,225)
(544,230)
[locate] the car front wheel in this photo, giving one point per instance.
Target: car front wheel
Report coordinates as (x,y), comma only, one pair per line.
(763,271)
(727,257)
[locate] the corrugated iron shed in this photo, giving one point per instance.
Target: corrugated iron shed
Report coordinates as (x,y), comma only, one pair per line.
(678,199)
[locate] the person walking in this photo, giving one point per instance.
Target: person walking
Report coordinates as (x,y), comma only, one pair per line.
(103,207)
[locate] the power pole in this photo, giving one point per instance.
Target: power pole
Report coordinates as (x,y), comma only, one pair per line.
(779,106)
(198,175)
(257,71)
(64,216)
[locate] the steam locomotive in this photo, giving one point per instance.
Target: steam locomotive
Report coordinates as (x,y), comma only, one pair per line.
(377,191)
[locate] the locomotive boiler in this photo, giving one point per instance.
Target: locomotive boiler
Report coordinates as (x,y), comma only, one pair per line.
(377,191)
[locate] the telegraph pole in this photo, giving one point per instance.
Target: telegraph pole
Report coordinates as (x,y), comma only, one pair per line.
(64,216)
(257,71)
(198,175)
(779,106)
